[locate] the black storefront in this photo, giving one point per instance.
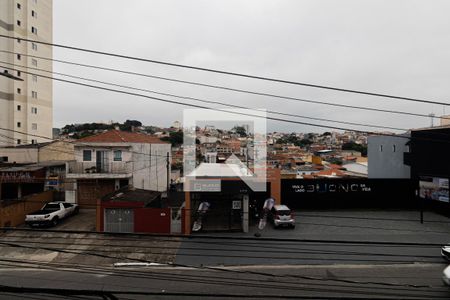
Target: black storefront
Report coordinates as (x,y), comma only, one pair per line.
(226,211)
(20,181)
(348,193)
(429,159)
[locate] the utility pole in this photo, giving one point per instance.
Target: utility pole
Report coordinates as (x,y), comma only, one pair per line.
(432,115)
(168,171)
(246,138)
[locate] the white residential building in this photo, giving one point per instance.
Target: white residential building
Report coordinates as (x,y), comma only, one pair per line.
(26,106)
(115,159)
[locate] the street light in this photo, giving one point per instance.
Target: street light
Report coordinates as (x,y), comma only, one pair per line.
(6,74)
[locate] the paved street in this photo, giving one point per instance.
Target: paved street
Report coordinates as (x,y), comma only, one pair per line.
(345,225)
(363,282)
(359,254)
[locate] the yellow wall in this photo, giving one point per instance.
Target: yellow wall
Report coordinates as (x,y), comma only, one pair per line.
(57,151)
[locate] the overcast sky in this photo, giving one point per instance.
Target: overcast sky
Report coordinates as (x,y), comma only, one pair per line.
(394,47)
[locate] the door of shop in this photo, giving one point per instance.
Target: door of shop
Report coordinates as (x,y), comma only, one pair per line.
(119,220)
(225,213)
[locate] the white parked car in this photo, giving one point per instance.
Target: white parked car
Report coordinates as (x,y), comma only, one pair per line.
(446,276)
(445,252)
(51,213)
(281,215)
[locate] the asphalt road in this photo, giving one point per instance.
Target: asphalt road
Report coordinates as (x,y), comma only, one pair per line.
(407,281)
(346,254)
(362,226)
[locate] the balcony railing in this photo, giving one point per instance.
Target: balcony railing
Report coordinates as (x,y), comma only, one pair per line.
(116,167)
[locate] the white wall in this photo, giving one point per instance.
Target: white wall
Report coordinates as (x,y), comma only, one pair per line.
(20,155)
(9,97)
(146,162)
(150,166)
(385,162)
(108,150)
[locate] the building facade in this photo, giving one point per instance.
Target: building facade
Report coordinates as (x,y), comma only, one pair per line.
(386,156)
(430,166)
(37,153)
(114,159)
(26,107)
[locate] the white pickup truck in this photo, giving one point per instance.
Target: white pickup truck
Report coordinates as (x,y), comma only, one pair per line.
(51,213)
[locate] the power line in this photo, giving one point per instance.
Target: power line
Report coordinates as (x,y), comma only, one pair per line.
(311,279)
(206,101)
(235,238)
(248,244)
(272,96)
(232,112)
(110,293)
(230,73)
(100,253)
(76,142)
(209,108)
(265,249)
(255,273)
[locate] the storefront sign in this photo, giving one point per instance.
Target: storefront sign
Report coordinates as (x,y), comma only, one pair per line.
(205,185)
(15,177)
(53,181)
(330,188)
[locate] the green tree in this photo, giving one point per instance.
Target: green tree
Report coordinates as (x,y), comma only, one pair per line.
(175,138)
(355,147)
(240,130)
(129,124)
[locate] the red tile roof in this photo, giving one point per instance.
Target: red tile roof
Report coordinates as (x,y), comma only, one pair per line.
(117,136)
(336,167)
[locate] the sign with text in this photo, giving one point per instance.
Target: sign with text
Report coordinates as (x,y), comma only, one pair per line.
(204,185)
(348,187)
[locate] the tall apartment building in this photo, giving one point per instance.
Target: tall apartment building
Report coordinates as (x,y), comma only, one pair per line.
(26,106)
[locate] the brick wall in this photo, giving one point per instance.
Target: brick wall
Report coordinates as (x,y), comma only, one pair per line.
(13,213)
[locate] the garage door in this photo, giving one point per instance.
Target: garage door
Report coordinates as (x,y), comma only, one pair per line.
(89,191)
(119,220)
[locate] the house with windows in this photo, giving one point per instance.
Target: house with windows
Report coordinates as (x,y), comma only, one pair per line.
(114,159)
